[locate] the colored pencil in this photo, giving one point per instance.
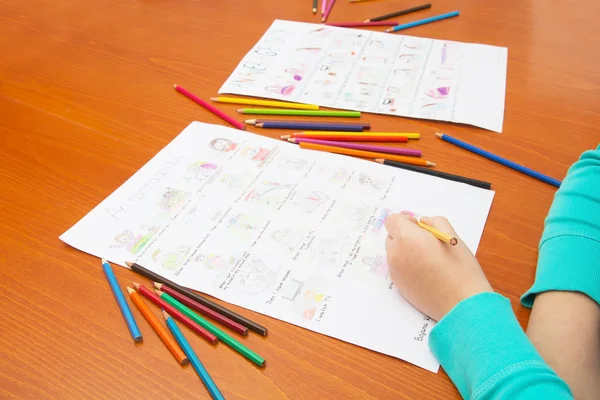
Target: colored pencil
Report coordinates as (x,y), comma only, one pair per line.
(423,21)
(315,5)
(265,103)
(500,160)
(150,295)
(153,276)
(123,306)
(194,305)
(366,147)
(328,10)
(210,108)
(359,24)
(399,13)
(158,328)
(308,113)
(338,138)
(444,237)
(309,126)
(194,360)
(365,125)
(409,135)
(366,154)
(439,174)
(224,337)
(323,7)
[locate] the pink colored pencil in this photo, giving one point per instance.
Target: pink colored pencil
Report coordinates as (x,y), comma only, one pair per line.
(209,107)
(328,10)
(323,7)
(366,147)
(352,24)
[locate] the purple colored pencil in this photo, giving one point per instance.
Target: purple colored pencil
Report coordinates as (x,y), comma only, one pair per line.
(354,24)
(356,146)
(328,10)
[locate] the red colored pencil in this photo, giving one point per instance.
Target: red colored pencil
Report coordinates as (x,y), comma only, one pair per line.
(210,108)
(150,295)
(395,139)
(194,305)
(359,24)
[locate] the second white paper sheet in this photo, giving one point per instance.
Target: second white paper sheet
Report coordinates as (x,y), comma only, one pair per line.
(376,72)
(294,234)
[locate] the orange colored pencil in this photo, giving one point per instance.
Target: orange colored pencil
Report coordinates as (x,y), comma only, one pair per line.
(160,330)
(366,154)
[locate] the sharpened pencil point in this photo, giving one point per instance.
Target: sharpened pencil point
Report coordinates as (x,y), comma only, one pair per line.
(175,86)
(291,140)
(439,135)
(285,136)
(314,10)
(130,290)
(165,314)
(454,241)
(158,285)
(104,260)
(430,164)
(366,21)
(136,285)
(158,292)
(250,121)
(128,263)
(214,98)
(379,160)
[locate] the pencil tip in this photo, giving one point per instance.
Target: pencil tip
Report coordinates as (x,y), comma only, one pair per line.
(128,263)
(104,260)
(430,164)
(284,136)
(314,10)
(214,98)
(323,19)
(165,314)
(291,140)
(366,21)
(454,241)
(439,135)
(379,160)
(157,285)
(250,121)
(175,86)
(136,285)
(130,290)
(158,292)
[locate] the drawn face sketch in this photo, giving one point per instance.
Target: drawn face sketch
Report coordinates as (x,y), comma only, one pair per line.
(368,181)
(284,90)
(222,144)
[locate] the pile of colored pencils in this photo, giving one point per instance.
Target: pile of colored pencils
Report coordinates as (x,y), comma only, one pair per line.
(190,309)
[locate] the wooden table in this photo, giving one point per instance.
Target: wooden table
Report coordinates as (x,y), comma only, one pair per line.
(86,99)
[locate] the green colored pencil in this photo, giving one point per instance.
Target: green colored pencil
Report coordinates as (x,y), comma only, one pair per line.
(308,113)
(228,340)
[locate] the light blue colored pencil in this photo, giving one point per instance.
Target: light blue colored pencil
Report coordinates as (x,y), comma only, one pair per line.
(194,360)
(499,160)
(125,310)
(423,21)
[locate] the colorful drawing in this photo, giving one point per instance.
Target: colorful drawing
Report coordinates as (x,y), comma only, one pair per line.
(222,145)
(310,202)
(380,219)
(134,243)
(308,302)
(257,154)
(293,163)
(243,225)
(284,90)
(171,259)
(172,200)
(271,194)
(255,276)
(377,265)
(201,170)
(287,238)
(438,93)
(214,261)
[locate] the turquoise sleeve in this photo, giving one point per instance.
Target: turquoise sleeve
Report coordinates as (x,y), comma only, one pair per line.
(483,349)
(569,251)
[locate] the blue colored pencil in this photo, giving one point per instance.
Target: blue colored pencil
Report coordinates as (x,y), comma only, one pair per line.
(194,360)
(125,310)
(423,21)
(500,160)
(310,126)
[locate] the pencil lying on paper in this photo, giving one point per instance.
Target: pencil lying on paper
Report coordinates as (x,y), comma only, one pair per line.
(365,125)
(209,107)
(359,24)
(158,328)
(500,160)
(409,135)
(265,103)
(439,174)
(153,276)
(150,295)
(194,360)
(224,337)
(366,147)
(423,21)
(338,138)
(194,305)
(366,154)
(309,126)
(399,13)
(123,306)
(308,113)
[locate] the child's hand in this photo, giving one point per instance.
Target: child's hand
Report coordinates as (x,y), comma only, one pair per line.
(432,275)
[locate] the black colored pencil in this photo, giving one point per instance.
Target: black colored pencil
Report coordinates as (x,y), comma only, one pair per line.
(315,4)
(444,175)
(253,326)
(398,13)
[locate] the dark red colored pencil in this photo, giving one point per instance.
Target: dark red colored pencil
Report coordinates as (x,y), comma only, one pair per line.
(194,305)
(150,295)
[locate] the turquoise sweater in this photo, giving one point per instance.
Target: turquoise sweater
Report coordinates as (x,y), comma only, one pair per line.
(480,343)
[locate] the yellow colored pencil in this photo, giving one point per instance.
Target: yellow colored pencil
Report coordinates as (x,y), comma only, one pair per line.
(335,133)
(444,237)
(265,103)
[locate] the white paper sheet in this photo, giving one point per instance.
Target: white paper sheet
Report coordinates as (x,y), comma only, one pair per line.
(376,72)
(294,234)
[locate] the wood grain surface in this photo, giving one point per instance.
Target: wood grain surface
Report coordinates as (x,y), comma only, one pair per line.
(86,98)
